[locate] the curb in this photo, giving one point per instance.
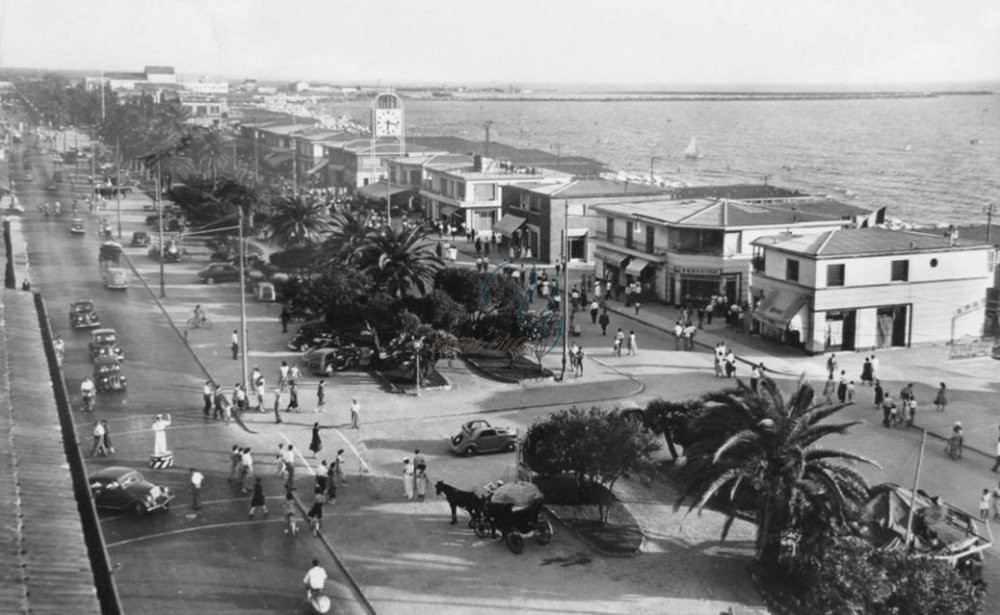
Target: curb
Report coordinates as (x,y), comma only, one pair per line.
(497,378)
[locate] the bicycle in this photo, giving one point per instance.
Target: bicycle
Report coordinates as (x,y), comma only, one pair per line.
(199,323)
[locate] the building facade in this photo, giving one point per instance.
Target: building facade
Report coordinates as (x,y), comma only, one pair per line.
(854,289)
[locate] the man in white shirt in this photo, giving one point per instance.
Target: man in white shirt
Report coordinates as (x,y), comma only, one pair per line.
(235,344)
(288,457)
(314,580)
(99,441)
(207,393)
(355,412)
(87,390)
(197,479)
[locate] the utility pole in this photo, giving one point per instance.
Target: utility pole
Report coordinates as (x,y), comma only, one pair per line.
(988,209)
(256,158)
(159,209)
(565,290)
(118,186)
(243,305)
(295,167)
(913,496)
(486,148)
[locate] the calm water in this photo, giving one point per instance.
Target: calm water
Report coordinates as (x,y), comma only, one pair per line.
(912,155)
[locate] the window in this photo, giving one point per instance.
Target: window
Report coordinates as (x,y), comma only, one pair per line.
(900,271)
(629,234)
(792,270)
(649,239)
(610,229)
(485,192)
(835,275)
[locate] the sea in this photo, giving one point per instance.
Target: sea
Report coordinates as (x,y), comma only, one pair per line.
(929,160)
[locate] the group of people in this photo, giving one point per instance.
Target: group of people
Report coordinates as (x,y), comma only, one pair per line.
(620,341)
(725,361)
(415,480)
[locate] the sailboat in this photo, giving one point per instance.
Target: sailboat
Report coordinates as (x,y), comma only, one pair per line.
(692,149)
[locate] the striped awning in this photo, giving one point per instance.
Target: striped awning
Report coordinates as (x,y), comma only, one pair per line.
(779,307)
(508,224)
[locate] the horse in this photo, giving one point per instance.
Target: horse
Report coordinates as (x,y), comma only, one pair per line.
(466,500)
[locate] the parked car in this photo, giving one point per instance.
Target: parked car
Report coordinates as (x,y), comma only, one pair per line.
(480,437)
(309,335)
(140,239)
(82,315)
(172,251)
(219,272)
(108,375)
(334,358)
(120,488)
(104,342)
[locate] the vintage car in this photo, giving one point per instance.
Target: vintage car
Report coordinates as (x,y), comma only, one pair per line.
(219,272)
(120,488)
(108,375)
(115,278)
(140,239)
(172,251)
(76,227)
(480,437)
(334,358)
(310,335)
(104,343)
(82,315)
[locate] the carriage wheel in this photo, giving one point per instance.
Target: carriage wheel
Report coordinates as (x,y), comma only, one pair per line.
(543,531)
(483,528)
(515,543)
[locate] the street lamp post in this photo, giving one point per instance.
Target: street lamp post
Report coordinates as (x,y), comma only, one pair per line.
(159,210)
(118,187)
(417,346)
(243,306)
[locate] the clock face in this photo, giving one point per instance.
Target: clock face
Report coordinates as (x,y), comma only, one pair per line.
(388,122)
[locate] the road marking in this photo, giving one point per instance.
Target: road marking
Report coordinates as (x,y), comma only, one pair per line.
(192,529)
(344,438)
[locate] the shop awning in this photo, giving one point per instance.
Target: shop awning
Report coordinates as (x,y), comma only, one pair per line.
(778,308)
(576,232)
(508,224)
(636,266)
(319,165)
(614,259)
(278,158)
(378,190)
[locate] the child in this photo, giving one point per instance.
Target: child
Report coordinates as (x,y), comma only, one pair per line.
(850,392)
(911,411)
(616,349)
(984,505)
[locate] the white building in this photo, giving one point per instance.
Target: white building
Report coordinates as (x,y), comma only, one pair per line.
(854,289)
(207,87)
(160,74)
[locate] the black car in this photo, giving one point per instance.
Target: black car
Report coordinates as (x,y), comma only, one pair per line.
(310,335)
(219,272)
(120,488)
(82,315)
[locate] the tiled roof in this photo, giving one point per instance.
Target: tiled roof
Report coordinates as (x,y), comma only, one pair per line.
(707,213)
(863,242)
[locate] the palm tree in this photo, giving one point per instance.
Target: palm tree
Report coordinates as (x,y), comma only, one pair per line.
(298,222)
(346,242)
(402,260)
(755,451)
(211,154)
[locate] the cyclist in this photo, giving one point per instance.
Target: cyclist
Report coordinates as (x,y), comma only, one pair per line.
(314,580)
(288,508)
(199,316)
(87,390)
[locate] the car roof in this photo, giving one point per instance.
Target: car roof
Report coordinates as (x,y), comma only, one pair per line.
(111,473)
(102,331)
(79,301)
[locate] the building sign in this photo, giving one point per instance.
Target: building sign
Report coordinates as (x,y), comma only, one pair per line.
(697,271)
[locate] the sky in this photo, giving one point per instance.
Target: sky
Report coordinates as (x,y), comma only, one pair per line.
(516,42)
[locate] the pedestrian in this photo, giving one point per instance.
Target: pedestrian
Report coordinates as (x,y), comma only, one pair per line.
(941,399)
(277,404)
(261,395)
(108,448)
(879,394)
(595,307)
(866,372)
(320,395)
(756,373)
(294,374)
(720,355)
(831,365)
(246,468)
(633,346)
(421,484)
(234,462)
(955,442)
(996,503)
(293,398)
(355,413)
(888,406)
(207,395)
(579,361)
(678,333)
(850,392)
(338,467)
(996,460)
(257,499)
(730,364)
(911,411)
(255,375)
(828,389)
(219,403)
(98,440)
(331,485)
(874,363)
(197,480)
(842,388)
(316,443)
(408,478)
(984,505)
(286,317)
(235,344)
(279,469)
(316,516)
(688,335)
(604,320)
(289,458)
(239,398)
(283,375)
(288,510)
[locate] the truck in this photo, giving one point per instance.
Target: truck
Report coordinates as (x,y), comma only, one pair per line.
(113,276)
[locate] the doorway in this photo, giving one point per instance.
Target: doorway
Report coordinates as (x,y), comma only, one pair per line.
(891,326)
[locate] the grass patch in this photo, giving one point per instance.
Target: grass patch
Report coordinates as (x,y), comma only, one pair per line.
(498,366)
(405,382)
(620,536)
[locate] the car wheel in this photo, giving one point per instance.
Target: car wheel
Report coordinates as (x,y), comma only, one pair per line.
(543,532)
(138,509)
(515,543)
(509,447)
(470,451)
(483,528)
(210,281)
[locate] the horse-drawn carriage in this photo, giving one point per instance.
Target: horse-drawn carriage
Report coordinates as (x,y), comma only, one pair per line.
(515,510)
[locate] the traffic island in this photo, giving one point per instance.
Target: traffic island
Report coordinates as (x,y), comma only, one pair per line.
(620,536)
(501,368)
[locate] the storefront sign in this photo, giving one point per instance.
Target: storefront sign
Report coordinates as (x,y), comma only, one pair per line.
(697,271)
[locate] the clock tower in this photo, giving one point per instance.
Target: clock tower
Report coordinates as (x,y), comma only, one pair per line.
(387,129)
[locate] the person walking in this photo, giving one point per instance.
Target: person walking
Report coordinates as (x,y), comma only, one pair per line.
(279,470)
(996,460)
(874,362)
(277,405)
(578,362)
(106,438)
(283,375)
(234,462)
(888,407)
(689,332)
(257,499)
(289,458)
(408,478)
(288,510)
(604,320)
(866,372)
(239,398)
(320,395)
(633,346)
(293,398)
(98,440)
(850,392)
(984,505)
(421,484)
(219,403)
(828,390)
(197,479)
(756,373)
(730,364)
(831,365)
(941,399)
(879,393)
(338,467)
(616,346)
(316,443)
(842,387)
(719,360)
(234,344)
(160,435)
(207,395)
(315,516)
(294,374)
(286,317)
(956,441)
(678,333)
(595,308)
(355,413)
(246,468)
